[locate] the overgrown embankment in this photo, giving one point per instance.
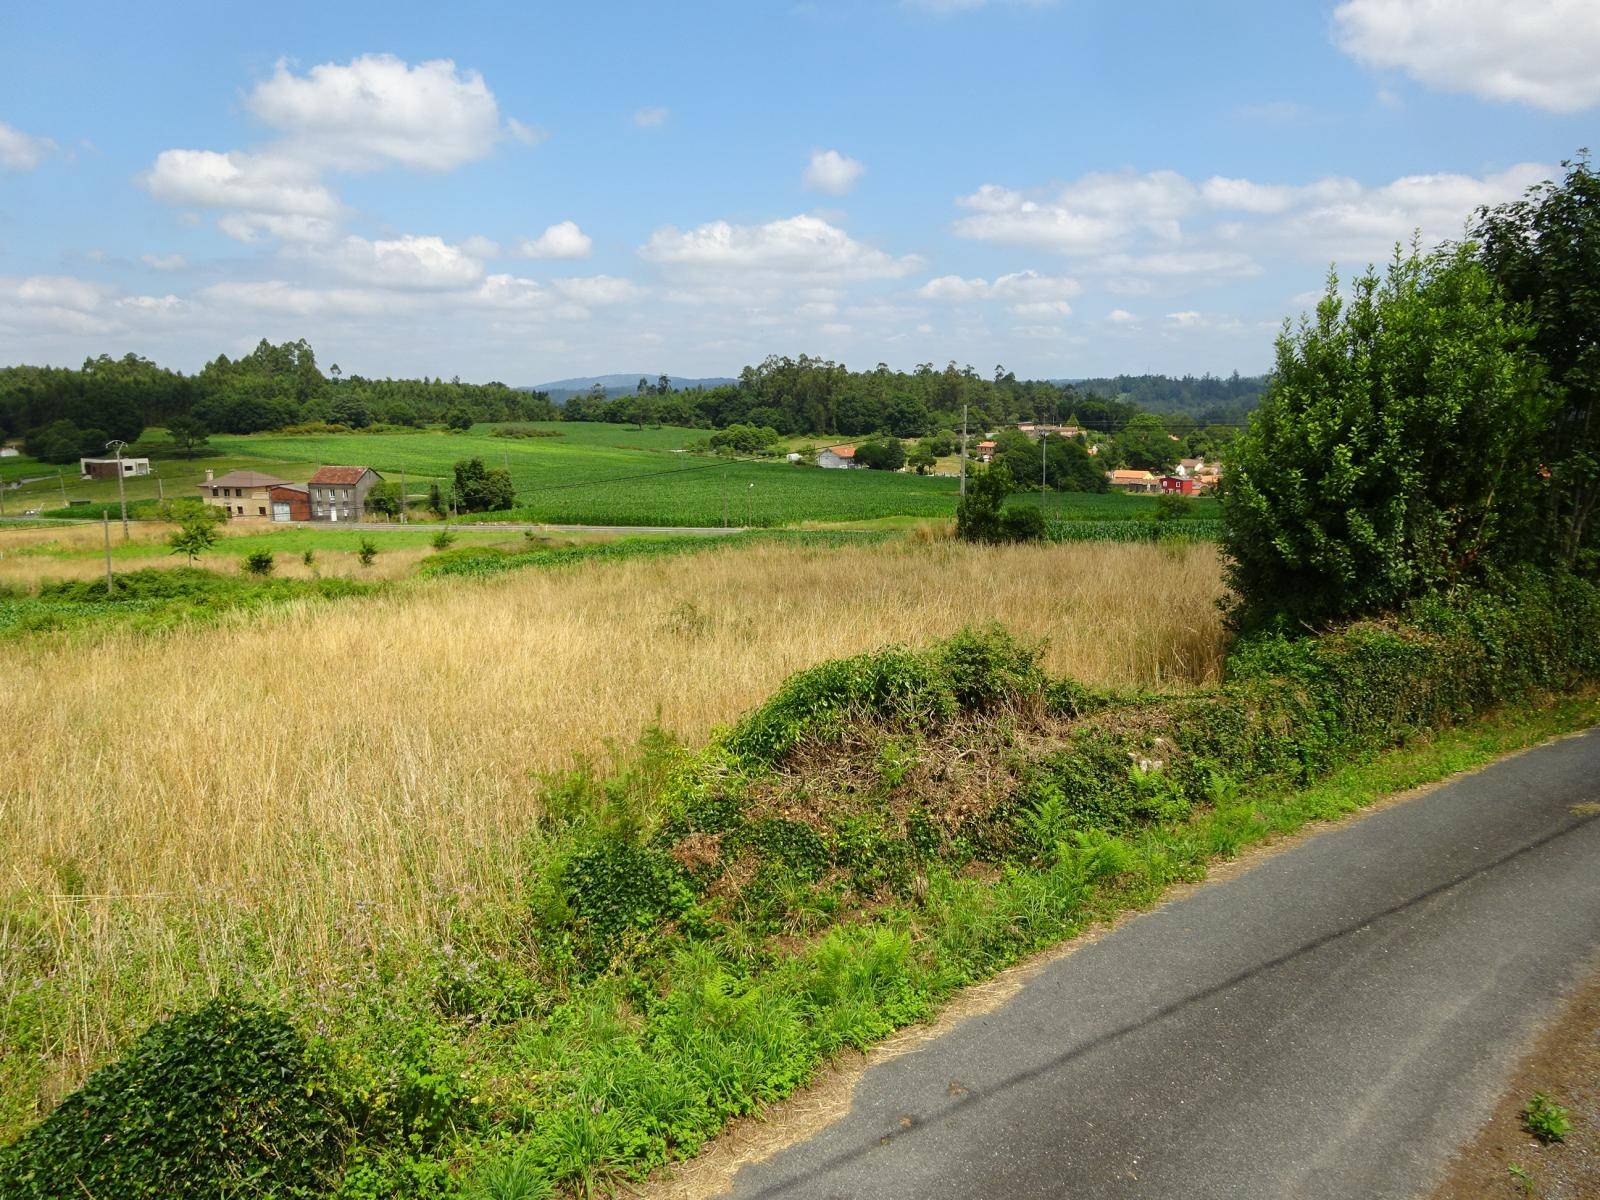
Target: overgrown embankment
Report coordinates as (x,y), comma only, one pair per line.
(699,930)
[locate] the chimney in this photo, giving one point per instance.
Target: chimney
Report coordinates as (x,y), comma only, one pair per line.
(210,474)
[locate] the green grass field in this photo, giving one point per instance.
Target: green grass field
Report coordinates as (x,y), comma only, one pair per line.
(591,474)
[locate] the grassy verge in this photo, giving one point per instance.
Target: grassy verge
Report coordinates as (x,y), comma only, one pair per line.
(692,933)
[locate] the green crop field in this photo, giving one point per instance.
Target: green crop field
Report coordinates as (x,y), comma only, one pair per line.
(589,474)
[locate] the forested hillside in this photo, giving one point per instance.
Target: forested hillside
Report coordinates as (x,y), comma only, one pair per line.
(62,413)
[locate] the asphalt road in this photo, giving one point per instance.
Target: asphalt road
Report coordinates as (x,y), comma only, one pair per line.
(1329,1024)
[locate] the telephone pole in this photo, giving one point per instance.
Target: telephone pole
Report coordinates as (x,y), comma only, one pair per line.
(1044,465)
(963,450)
(105,528)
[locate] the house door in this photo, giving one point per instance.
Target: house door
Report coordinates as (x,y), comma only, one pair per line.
(333,513)
(280,510)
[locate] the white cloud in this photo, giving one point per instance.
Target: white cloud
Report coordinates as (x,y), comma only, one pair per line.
(598,290)
(1152,230)
(481,247)
(20,151)
(1088,216)
(254,183)
(1041,309)
(1121,316)
(1187,319)
(252,227)
(1537,52)
(164,262)
(1020,285)
(650,117)
(803,248)
(59,291)
(1216,264)
(282,297)
(377,110)
(561,240)
(406,262)
(832,172)
(1363,224)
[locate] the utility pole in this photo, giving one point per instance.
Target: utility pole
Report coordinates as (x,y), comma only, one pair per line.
(963,450)
(724,499)
(122,495)
(402,496)
(105,528)
(161,491)
(62,483)
(1044,465)
(750,506)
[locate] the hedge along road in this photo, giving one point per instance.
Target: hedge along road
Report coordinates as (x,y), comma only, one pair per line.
(1330,1023)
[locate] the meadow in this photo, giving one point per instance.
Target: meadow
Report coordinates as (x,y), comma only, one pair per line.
(287,801)
(590,474)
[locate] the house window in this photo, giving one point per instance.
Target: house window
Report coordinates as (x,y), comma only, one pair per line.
(261,511)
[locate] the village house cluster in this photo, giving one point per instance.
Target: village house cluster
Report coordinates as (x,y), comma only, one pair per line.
(1191,477)
(337,494)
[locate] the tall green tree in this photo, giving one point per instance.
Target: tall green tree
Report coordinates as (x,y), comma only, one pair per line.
(1544,251)
(1395,451)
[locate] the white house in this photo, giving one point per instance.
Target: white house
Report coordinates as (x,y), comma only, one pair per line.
(9,452)
(108,468)
(837,457)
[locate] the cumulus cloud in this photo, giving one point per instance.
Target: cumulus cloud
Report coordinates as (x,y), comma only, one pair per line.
(1090,215)
(1537,52)
(1121,316)
(20,151)
(256,183)
(651,117)
(832,172)
(1020,285)
(374,112)
(561,240)
(406,262)
(378,110)
(803,248)
(65,305)
(164,262)
(1161,225)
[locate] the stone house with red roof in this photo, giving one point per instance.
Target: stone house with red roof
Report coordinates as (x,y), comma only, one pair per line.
(340,493)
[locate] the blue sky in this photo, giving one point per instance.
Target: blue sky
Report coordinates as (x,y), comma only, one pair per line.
(1070,188)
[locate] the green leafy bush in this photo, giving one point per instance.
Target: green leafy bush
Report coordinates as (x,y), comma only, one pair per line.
(222,1101)
(615,888)
(259,563)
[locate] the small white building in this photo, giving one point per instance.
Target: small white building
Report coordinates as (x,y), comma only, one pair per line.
(106,468)
(837,457)
(9,452)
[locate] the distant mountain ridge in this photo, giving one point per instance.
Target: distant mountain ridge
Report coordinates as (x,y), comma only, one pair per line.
(620,384)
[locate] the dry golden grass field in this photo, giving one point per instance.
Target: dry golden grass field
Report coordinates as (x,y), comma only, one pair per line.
(278,794)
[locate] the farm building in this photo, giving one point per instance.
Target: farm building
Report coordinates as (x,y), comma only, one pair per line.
(1181,485)
(1133,481)
(340,493)
(837,457)
(243,495)
(985,451)
(290,502)
(9,452)
(106,468)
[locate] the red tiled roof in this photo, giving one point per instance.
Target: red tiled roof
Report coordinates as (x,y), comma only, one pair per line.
(289,487)
(843,451)
(339,475)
